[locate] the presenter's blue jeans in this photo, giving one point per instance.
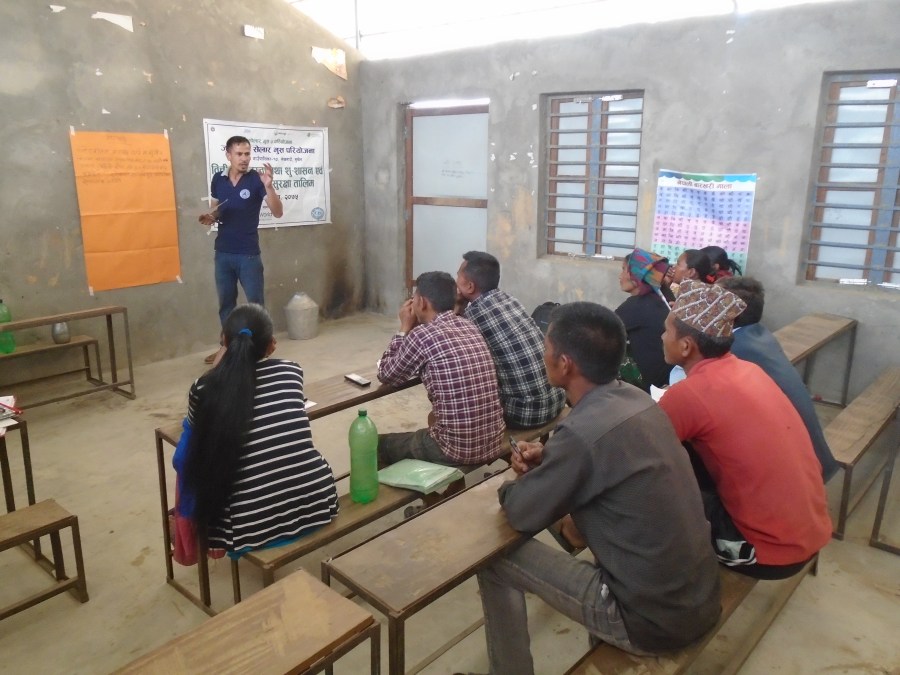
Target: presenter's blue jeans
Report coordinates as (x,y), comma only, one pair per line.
(232,268)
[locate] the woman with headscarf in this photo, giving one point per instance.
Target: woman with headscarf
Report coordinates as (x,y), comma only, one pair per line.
(644,314)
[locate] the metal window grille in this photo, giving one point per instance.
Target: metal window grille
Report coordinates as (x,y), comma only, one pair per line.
(592,151)
(855,201)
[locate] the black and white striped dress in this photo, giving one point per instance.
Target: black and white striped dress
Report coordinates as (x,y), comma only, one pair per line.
(283,486)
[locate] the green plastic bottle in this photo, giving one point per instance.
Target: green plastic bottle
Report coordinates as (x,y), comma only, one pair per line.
(7,340)
(363,459)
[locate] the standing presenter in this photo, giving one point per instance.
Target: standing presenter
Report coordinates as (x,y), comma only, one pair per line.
(236,196)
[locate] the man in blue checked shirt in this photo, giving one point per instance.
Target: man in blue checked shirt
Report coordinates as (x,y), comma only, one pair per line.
(515,341)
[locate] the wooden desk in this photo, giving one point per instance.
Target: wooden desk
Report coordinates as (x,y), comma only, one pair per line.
(98,383)
(408,567)
(335,393)
(804,337)
(330,395)
(298,625)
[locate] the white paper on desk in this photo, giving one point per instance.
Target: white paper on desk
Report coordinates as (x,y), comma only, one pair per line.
(5,412)
(309,404)
(656,393)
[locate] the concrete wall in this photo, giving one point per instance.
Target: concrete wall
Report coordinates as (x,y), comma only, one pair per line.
(183,62)
(715,101)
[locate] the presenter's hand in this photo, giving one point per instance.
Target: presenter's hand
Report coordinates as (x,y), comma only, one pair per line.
(266,175)
(531,456)
(207,219)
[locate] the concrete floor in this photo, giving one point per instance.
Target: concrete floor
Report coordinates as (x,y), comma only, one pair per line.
(95,456)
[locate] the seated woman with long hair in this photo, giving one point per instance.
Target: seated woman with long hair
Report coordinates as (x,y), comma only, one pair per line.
(251,468)
(722,266)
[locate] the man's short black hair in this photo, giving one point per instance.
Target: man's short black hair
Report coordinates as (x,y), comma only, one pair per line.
(438,288)
(750,291)
(708,346)
(483,269)
(592,336)
(235,140)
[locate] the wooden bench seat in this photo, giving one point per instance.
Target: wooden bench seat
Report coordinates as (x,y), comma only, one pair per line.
(802,338)
(299,625)
(352,516)
(85,342)
(29,523)
(855,429)
(608,660)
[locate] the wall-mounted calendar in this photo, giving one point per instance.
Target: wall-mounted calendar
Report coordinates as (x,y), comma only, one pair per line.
(694,210)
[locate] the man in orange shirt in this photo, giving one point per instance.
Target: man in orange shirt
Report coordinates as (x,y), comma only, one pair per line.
(759,476)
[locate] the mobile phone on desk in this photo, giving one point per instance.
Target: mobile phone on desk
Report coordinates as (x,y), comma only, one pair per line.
(357,379)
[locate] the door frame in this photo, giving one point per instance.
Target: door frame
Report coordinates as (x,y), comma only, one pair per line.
(411,199)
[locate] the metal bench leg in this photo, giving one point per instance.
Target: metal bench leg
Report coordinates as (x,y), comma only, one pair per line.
(164,505)
(847,365)
(81,588)
(845,503)
(376,649)
(236,580)
(396,646)
(203,572)
(59,563)
(882,502)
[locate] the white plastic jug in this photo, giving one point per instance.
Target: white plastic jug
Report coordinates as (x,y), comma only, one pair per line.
(302,317)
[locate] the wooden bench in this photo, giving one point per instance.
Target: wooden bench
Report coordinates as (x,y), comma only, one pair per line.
(606,659)
(855,429)
(351,518)
(804,337)
(83,341)
(299,625)
(31,522)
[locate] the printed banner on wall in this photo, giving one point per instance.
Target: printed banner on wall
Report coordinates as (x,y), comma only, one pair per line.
(694,210)
(299,159)
(126,197)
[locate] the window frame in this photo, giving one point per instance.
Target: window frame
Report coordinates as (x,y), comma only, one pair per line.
(595,179)
(881,262)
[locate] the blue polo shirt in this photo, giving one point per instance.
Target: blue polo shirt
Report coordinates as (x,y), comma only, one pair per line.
(239,231)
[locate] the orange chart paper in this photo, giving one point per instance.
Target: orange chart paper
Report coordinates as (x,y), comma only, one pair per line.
(126,196)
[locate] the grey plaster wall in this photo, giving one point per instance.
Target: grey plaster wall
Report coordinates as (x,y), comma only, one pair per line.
(183,62)
(728,94)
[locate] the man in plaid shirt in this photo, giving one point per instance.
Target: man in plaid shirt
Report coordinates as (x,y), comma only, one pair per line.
(514,340)
(449,354)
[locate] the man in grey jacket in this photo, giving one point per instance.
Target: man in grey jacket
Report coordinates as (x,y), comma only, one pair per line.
(618,481)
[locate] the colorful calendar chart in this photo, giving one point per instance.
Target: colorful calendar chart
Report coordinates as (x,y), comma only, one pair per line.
(694,210)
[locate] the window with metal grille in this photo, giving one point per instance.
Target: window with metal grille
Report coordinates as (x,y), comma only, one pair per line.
(592,151)
(855,204)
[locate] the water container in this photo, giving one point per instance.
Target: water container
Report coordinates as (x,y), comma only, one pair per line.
(7,340)
(363,459)
(302,317)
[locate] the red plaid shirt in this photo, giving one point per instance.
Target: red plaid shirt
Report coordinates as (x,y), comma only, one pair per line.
(459,375)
